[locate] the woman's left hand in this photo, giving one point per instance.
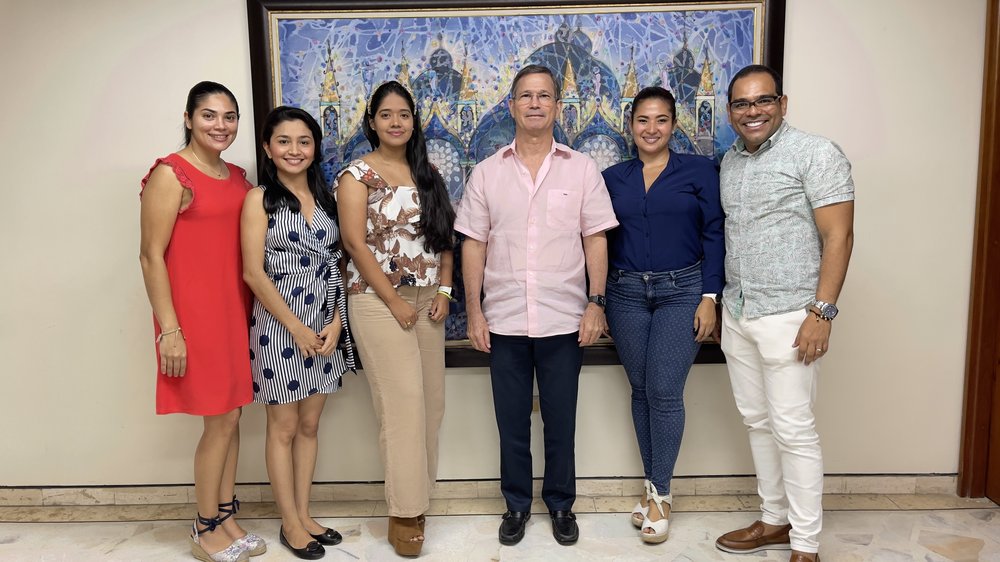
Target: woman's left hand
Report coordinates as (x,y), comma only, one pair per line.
(439,308)
(704,320)
(330,336)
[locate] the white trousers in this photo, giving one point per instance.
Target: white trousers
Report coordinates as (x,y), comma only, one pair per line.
(775,393)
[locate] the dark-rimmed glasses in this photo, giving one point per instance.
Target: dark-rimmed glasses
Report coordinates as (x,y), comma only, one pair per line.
(762,103)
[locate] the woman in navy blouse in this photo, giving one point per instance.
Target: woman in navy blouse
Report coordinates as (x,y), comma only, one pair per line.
(666,267)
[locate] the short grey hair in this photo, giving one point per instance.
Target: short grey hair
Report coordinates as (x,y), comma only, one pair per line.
(534,69)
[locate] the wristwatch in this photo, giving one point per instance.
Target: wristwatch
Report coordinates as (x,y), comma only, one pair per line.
(827,311)
(599,300)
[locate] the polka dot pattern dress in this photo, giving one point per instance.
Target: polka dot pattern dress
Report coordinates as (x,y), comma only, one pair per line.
(302,261)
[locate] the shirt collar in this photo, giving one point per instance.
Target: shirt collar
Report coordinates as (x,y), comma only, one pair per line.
(556,147)
(741,147)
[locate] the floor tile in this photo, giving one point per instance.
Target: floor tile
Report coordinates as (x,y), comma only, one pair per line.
(880,485)
(152,495)
(937,501)
(20,496)
(449,490)
(848,536)
(936,485)
(78,496)
(725,485)
(858,502)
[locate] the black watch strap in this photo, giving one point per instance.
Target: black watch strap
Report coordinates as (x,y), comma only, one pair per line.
(599,300)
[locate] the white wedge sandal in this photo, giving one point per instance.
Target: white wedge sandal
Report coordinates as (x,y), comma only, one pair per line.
(661,527)
(639,511)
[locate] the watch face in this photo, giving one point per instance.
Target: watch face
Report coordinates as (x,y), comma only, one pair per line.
(829,311)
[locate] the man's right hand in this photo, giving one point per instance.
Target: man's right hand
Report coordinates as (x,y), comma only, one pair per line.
(478,330)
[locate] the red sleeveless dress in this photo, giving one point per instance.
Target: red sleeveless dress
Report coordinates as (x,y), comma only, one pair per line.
(211,300)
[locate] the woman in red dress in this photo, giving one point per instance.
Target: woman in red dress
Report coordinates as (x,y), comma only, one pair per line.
(191,265)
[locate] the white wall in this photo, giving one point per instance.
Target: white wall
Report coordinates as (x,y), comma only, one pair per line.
(94,91)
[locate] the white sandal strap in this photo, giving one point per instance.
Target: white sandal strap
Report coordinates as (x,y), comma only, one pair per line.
(658,500)
(658,526)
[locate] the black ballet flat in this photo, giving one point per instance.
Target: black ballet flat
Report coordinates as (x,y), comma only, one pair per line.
(312,551)
(328,537)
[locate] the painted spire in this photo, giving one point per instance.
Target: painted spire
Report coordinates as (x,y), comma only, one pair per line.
(631,87)
(569,88)
(330,94)
(707,86)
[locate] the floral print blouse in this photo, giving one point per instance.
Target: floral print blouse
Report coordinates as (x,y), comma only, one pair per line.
(393,214)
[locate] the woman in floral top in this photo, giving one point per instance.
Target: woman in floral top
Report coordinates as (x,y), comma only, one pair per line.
(396,221)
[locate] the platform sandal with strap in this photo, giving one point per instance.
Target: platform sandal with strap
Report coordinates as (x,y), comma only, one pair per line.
(254,545)
(660,527)
(232,553)
(639,511)
(402,535)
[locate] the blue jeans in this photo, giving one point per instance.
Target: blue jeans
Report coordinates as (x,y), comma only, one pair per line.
(651,316)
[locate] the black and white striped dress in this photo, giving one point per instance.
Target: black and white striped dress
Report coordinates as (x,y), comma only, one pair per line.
(302,261)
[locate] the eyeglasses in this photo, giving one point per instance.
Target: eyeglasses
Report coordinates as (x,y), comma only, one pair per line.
(762,103)
(544,98)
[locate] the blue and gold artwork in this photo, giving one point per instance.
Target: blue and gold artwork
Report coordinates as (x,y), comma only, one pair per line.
(459,65)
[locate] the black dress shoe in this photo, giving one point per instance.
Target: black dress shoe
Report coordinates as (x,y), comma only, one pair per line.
(512,527)
(564,527)
(312,551)
(328,537)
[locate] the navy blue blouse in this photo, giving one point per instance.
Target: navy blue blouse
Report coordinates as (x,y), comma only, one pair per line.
(678,222)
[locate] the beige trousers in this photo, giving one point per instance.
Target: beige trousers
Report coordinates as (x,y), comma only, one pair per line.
(405,370)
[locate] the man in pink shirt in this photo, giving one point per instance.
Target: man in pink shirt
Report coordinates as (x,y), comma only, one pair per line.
(534,216)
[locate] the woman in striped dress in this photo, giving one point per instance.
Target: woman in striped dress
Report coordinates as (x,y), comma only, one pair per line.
(299,343)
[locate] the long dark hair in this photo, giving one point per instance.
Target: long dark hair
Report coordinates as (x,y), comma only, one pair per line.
(199,92)
(277,195)
(437,217)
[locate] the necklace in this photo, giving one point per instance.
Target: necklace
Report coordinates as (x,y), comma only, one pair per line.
(217,174)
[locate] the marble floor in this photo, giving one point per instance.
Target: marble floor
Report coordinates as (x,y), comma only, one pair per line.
(859,527)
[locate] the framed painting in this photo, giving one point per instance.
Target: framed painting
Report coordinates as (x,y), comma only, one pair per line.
(458,59)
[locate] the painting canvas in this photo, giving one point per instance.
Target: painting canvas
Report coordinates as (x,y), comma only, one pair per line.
(459,63)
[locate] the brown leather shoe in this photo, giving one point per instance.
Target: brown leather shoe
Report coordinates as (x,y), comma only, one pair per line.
(754,538)
(801,557)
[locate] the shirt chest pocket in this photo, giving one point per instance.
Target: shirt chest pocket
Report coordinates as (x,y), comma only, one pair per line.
(563,209)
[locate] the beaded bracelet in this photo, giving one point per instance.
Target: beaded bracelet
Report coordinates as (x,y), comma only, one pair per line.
(176,330)
(819,316)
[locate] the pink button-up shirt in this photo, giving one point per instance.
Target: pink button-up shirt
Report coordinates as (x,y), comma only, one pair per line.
(535,279)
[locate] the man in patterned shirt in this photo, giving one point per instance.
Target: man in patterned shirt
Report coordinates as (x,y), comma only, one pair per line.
(789,203)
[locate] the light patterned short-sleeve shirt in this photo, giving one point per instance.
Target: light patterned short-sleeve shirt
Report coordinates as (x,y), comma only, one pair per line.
(773,248)
(393,237)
